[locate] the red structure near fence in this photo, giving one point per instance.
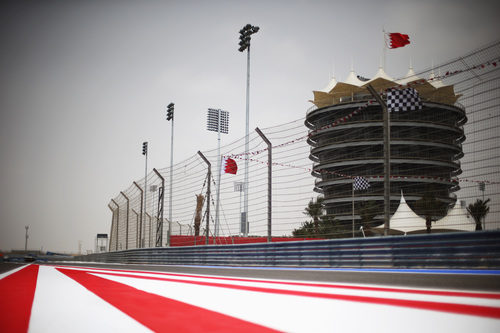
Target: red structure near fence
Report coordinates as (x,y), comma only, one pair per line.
(176,240)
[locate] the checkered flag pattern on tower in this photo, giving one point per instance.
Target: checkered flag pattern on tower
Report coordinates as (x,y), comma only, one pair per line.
(403,100)
(360,183)
(213,121)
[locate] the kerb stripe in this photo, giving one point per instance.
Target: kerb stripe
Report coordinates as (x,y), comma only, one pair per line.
(464,309)
(17,292)
(159,313)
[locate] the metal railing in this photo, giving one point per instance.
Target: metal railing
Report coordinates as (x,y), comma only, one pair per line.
(479,250)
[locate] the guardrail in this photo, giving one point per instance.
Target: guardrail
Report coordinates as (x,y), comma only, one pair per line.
(453,250)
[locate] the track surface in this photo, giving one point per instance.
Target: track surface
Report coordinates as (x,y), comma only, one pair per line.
(480,280)
(125,298)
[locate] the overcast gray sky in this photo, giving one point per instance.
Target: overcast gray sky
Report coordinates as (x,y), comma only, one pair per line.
(84,83)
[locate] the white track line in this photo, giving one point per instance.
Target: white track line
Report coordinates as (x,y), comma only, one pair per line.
(63,305)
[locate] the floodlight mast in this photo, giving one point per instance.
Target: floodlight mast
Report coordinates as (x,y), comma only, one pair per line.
(145,153)
(218,121)
(245,37)
(170,116)
(217,203)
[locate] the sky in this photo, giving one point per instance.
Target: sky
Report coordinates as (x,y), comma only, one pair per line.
(84,83)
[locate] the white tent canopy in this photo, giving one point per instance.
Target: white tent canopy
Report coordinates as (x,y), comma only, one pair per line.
(457,219)
(405,219)
(330,85)
(352,78)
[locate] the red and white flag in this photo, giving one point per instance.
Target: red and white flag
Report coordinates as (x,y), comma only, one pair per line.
(229,166)
(397,40)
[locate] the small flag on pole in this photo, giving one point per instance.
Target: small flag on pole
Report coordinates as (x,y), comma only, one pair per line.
(403,100)
(360,183)
(397,40)
(229,166)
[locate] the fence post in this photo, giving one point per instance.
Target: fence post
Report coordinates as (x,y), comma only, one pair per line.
(117,222)
(209,177)
(112,225)
(139,232)
(159,228)
(136,227)
(126,228)
(269,183)
(150,229)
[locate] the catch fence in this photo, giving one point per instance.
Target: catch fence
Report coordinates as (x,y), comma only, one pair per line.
(139,223)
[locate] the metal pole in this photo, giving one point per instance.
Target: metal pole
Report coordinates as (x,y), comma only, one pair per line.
(384,48)
(247,185)
(136,228)
(238,187)
(353,208)
(126,227)
(112,223)
(117,222)
(209,176)
(154,217)
(171,184)
(139,232)
(269,183)
(150,229)
(219,157)
(217,201)
(242,189)
(387,159)
(159,239)
(146,185)
(26,239)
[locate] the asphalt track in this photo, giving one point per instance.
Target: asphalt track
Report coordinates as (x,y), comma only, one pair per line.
(7,266)
(479,280)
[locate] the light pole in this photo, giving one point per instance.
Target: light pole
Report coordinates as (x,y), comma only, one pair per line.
(239,187)
(245,37)
(139,231)
(26,240)
(170,116)
(145,153)
(218,121)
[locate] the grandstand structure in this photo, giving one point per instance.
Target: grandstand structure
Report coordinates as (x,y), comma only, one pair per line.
(425,144)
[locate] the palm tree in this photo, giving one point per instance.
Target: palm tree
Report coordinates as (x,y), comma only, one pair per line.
(478,211)
(428,206)
(306,230)
(315,210)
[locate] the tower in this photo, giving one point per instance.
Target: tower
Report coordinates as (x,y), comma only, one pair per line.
(346,139)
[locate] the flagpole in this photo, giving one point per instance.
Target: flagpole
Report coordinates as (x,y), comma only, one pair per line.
(352,207)
(383,48)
